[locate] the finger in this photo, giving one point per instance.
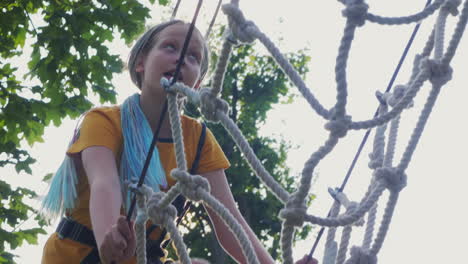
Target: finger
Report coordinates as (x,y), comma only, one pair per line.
(124,227)
(131,243)
(105,253)
(118,244)
(131,247)
(126,230)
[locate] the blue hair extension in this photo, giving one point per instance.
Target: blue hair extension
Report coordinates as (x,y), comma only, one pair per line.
(62,191)
(137,135)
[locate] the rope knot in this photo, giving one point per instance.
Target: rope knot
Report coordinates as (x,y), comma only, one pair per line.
(192,186)
(142,194)
(166,85)
(160,216)
(394,97)
(338,127)
(353,206)
(241,28)
(356,12)
(439,74)
(376,160)
(211,105)
(393,178)
(293,213)
(361,256)
(451,6)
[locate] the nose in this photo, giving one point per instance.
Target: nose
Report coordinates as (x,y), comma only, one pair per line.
(183,61)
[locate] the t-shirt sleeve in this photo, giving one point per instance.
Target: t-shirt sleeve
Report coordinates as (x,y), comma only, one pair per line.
(99,128)
(212,156)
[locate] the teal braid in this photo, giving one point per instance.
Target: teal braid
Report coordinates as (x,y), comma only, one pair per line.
(137,136)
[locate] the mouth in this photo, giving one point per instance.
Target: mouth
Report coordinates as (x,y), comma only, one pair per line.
(170,75)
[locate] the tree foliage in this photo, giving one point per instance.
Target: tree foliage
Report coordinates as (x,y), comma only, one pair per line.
(70,58)
(253,84)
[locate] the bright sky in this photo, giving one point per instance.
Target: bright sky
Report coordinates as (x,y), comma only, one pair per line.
(428,224)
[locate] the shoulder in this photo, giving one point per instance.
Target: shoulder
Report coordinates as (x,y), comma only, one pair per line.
(101,126)
(111,112)
(104,115)
(191,125)
(190,121)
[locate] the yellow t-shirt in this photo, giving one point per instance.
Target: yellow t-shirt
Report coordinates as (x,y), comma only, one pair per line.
(102,127)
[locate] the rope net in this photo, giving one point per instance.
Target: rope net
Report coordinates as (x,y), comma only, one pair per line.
(388,175)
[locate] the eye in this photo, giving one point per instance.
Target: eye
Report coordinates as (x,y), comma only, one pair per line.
(194,57)
(169,46)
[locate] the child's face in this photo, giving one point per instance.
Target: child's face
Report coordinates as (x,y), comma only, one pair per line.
(161,60)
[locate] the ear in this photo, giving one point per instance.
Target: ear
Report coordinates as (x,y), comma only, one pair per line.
(140,64)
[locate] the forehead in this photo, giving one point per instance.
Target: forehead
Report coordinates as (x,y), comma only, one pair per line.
(179,32)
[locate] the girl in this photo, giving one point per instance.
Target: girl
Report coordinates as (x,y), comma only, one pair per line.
(109,150)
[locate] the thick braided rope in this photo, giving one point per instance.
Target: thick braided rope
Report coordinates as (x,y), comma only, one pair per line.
(343,248)
(377,155)
(234,226)
(348,219)
(385,224)
(348,205)
(331,246)
(414,88)
(294,204)
(221,66)
(392,139)
(174,117)
(439,33)
(456,37)
(188,185)
(346,233)
(415,18)
(369,232)
(237,136)
(165,216)
(422,120)
(340,69)
(252,159)
(288,69)
(294,213)
(376,161)
(355,12)
(440,74)
(361,256)
(140,228)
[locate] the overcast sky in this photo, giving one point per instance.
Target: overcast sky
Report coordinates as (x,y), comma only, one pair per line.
(428,225)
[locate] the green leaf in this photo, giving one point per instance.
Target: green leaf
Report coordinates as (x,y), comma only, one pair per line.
(21,37)
(47,177)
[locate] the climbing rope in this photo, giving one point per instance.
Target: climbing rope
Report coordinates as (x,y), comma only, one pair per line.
(386,176)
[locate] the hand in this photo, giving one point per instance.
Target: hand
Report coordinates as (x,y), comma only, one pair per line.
(306,260)
(119,242)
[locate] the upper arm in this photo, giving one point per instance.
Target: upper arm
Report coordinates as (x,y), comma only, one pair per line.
(100,166)
(220,188)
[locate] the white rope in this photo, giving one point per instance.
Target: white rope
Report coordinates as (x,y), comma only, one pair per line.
(386,176)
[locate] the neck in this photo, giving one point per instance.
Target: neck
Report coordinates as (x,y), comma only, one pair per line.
(153,108)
